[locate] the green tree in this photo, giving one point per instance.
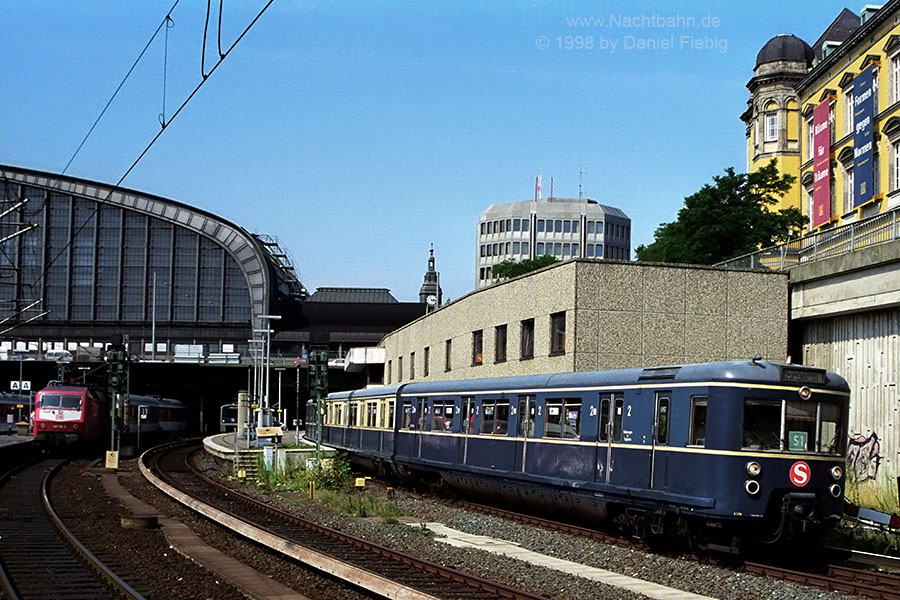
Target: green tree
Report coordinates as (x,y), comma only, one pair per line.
(730,218)
(513,268)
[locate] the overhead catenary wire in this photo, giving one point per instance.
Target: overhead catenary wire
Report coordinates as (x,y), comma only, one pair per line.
(118,183)
(124,79)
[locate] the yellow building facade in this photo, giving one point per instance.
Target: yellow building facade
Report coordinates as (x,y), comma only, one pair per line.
(792,79)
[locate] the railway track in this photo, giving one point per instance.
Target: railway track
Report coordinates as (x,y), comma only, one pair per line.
(839,578)
(849,580)
(39,555)
(373,567)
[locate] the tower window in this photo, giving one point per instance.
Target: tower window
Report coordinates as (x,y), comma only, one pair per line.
(771,126)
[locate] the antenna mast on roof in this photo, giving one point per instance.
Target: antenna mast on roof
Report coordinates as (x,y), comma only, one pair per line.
(580,173)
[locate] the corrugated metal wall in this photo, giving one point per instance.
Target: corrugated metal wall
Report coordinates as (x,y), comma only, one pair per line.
(865,349)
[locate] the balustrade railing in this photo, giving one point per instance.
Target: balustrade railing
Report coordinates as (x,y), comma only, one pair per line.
(823,244)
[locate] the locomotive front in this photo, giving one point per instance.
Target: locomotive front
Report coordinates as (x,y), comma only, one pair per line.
(65,416)
(790,467)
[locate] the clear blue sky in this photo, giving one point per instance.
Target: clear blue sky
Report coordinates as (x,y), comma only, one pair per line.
(359,134)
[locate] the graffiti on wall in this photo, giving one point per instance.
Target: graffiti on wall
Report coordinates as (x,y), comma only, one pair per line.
(863,457)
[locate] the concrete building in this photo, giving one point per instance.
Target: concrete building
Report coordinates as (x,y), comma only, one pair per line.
(583,315)
(562,227)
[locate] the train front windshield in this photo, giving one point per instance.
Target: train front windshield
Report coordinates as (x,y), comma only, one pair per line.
(68,401)
(793,426)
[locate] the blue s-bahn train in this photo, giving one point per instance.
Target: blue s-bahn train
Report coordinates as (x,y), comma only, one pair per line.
(720,452)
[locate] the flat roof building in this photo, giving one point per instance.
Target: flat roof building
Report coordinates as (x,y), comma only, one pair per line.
(562,227)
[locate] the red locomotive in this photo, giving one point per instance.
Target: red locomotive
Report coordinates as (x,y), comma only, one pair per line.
(69,414)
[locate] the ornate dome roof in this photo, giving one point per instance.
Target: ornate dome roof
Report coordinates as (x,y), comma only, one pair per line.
(785,47)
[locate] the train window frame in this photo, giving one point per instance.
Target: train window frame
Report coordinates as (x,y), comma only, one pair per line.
(371,413)
(839,437)
(525,416)
(566,406)
(354,414)
(467,420)
(604,420)
(663,413)
(697,433)
(439,420)
(494,408)
(795,417)
(407,417)
(423,415)
(618,419)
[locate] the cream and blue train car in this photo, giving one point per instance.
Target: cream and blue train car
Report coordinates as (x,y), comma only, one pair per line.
(717,451)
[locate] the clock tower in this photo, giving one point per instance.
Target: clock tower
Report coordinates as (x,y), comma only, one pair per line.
(430,292)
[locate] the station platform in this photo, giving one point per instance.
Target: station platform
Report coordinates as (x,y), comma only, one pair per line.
(290,451)
(12,439)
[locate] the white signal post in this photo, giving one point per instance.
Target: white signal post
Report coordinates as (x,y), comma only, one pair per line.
(267,355)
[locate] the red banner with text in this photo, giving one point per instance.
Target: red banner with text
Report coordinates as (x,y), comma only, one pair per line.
(821,166)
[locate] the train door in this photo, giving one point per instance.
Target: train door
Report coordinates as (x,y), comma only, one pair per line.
(660,438)
(422,421)
(467,422)
(524,430)
(612,413)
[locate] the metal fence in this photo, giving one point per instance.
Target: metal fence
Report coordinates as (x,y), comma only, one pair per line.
(824,244)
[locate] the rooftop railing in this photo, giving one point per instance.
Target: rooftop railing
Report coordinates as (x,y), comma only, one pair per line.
(879,229)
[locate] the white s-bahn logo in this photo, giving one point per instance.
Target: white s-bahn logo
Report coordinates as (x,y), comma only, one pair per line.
(800,473)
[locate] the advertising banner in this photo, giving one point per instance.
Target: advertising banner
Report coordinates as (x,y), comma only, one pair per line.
(863,142)
(821,166)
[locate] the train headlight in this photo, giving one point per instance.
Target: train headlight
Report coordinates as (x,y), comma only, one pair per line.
(805,393)
(835,490)
(75,427)
(42,426)
(751,486)
(836,472)
(753,468)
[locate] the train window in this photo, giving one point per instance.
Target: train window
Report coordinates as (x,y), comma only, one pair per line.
(800,426)
(371,414)
(390,422)
(618,416)
(354,414)
(762,425)
(494,417)
(604,416)
(422,415)
(442,415)
(563,418)
(526,417)
(831,437)
(698,421)
(409,415)
(662,419)
(468,415)
(70,401)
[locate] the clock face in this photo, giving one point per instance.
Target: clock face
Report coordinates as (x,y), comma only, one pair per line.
(431,300)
